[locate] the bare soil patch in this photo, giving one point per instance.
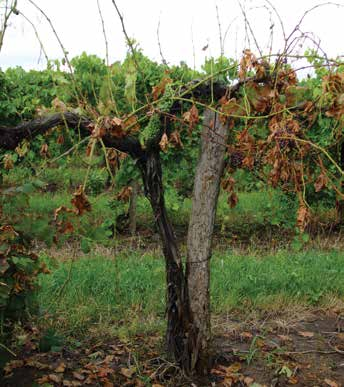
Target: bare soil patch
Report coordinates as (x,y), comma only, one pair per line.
(288,348)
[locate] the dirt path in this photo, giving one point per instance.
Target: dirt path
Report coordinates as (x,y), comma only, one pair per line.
(299,348)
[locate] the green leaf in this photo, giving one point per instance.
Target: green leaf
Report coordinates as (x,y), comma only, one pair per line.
(85,245)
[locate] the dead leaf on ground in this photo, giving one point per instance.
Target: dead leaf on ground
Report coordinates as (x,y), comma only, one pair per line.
(12,365)
(68,383)
(331,383)
(37,364)
(306,334)
(285,338)
(246,335)
(55,378)
(78,376)
(248,381)
(60,368)
(293,380)
(127,372)
(43,379)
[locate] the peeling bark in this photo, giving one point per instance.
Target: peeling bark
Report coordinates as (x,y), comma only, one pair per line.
(204,202)
(177,308)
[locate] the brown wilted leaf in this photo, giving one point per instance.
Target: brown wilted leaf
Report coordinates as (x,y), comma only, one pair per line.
(175,139)
(98,131)
(44,152)
(248,162)
(114,126)
(260,70)
(23,148)
(191,117)
(131,124)
(233,200)
(66,228)
(233,108)
(124,194)
(60,210)
(60,139)
(246,63)
(89,147)
(160,87)
(164,142)
(321,182)
(228,184)
(80,201)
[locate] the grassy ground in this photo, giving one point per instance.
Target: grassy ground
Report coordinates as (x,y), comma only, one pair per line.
(125,293)
(117,292)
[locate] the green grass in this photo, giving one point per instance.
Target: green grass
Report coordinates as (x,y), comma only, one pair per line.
(301,277)
(98,290)
(127,292)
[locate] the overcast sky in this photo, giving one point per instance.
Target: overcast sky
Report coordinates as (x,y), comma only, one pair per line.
(186,26)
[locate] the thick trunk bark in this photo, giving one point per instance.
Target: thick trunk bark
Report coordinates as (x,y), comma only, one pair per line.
(132,207)
(204,202)
(177,304)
